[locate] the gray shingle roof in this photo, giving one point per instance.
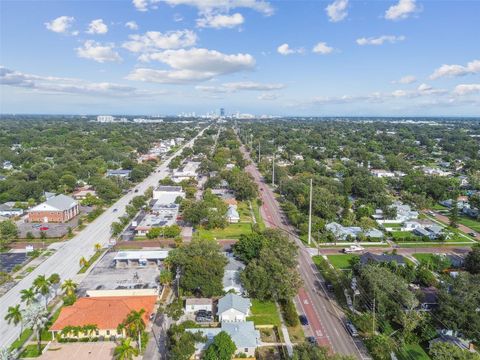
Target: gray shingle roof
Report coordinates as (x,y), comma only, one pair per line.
(61,202)
(233,301)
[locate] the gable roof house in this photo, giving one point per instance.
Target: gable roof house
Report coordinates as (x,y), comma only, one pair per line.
(8,211)
(233,307)
(231,275)
(243,334)
(232,215)
(57,209)
(369,257)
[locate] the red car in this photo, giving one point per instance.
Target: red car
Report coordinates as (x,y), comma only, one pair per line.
(44,228)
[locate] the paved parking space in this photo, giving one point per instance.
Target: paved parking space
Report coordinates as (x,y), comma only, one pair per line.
(9,260)
(79,351)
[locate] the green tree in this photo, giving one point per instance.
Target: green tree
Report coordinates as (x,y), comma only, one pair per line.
(125,350)
(453,214)
(307,351)
(36,318)
(221,348)
(69,287)
(201,265)
(447,351)
(54,280)
(165,277)
(42,286)
(472,260)
(14,316)
(134,325)
(28,296)
(116,228)
(8,232)
(381,346)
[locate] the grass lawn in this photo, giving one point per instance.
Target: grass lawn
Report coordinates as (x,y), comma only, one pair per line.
(21,340)
(423,257)
(264,313)
(392,225)
(412,351)
(258,217)
(232,231)
(244,211)
(341,262)
(91,261)
(31,351)
(296,333)
(471,223)
(404,235)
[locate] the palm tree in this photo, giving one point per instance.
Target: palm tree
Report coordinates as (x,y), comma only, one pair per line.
(42,286)
(54,280)
(82,262)
(125,351)
(69,287)
(89,329)
(36,318)
(28,296)
(14,315)
(97,247)
(134,325)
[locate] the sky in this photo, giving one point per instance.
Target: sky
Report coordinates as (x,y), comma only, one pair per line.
(315,58)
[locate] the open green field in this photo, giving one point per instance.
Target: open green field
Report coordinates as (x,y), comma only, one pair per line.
(412,351)
(232,231)
(264,313)
(341,262)
(404,235)
(423,257)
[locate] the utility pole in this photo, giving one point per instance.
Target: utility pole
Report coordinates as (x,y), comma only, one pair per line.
(273,170)
(310,215)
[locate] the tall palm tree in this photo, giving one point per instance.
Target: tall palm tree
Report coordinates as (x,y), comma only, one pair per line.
(54,280)
(36,318)
(42,286)
(134,325)
(97,247)
(125,350)
(69,287)
(14,315)
(82,262)
(28,296)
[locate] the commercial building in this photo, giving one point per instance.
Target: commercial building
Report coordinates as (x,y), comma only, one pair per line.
(167,194)
(57,209)
(140,258)
(193,305)
(104,312)
(119,173)
(187,171)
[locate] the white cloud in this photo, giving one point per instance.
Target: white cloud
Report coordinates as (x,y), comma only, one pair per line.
(402,10)
(380,40)
(473,67)
(322,48)
(268,96)
(100,53)
(51,84)
(132,25)
(285,49)
(240,86)
(145,5)
(97,27)
(61,24)
(408,79)
(206,6)
(466,89)
(220,21)
(192,65)
(155,40)
(337,11)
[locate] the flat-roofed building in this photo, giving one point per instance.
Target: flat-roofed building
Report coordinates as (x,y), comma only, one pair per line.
(140,258)
(167,194)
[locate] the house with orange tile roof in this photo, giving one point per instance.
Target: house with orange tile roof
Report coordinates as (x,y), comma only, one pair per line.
(104,312)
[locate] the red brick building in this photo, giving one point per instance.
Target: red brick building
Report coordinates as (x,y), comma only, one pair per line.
(57,209)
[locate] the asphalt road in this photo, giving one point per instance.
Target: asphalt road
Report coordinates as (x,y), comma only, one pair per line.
(324,316)
(65,261)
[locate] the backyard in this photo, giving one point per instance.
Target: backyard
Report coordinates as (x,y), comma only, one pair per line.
(232,231)
(264,313)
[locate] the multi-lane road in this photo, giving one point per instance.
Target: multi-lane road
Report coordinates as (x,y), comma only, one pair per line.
(65,261)
(326,319)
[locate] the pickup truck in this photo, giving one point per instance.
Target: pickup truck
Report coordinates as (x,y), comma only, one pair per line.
(353,249)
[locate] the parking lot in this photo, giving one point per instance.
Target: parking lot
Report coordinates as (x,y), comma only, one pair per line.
(9,260)
(105,276)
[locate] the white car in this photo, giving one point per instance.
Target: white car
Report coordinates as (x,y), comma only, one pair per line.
(353,248)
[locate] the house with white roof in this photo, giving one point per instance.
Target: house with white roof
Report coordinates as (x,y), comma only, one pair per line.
(404,213)
(233,307)
(192,305)
(232,215)
(167,194)
(231,276)
(125,259)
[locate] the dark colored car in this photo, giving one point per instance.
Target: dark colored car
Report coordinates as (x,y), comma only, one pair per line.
(312,340)
(329,286)
(351,328)
(472,234)
(303,320)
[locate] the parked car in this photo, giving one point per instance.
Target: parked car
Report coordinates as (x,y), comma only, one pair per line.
(472,234)
(115,210)
(351,328)
(353,249)
(312,340)
(36,226)
(329,286)
(44,228)
(136,190)
(303,320)
(203,316)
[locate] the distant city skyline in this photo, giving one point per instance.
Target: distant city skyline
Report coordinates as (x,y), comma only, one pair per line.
(287,58)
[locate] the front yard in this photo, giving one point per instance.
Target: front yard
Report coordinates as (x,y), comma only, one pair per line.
(341,262)
(232,231)
(264,313)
